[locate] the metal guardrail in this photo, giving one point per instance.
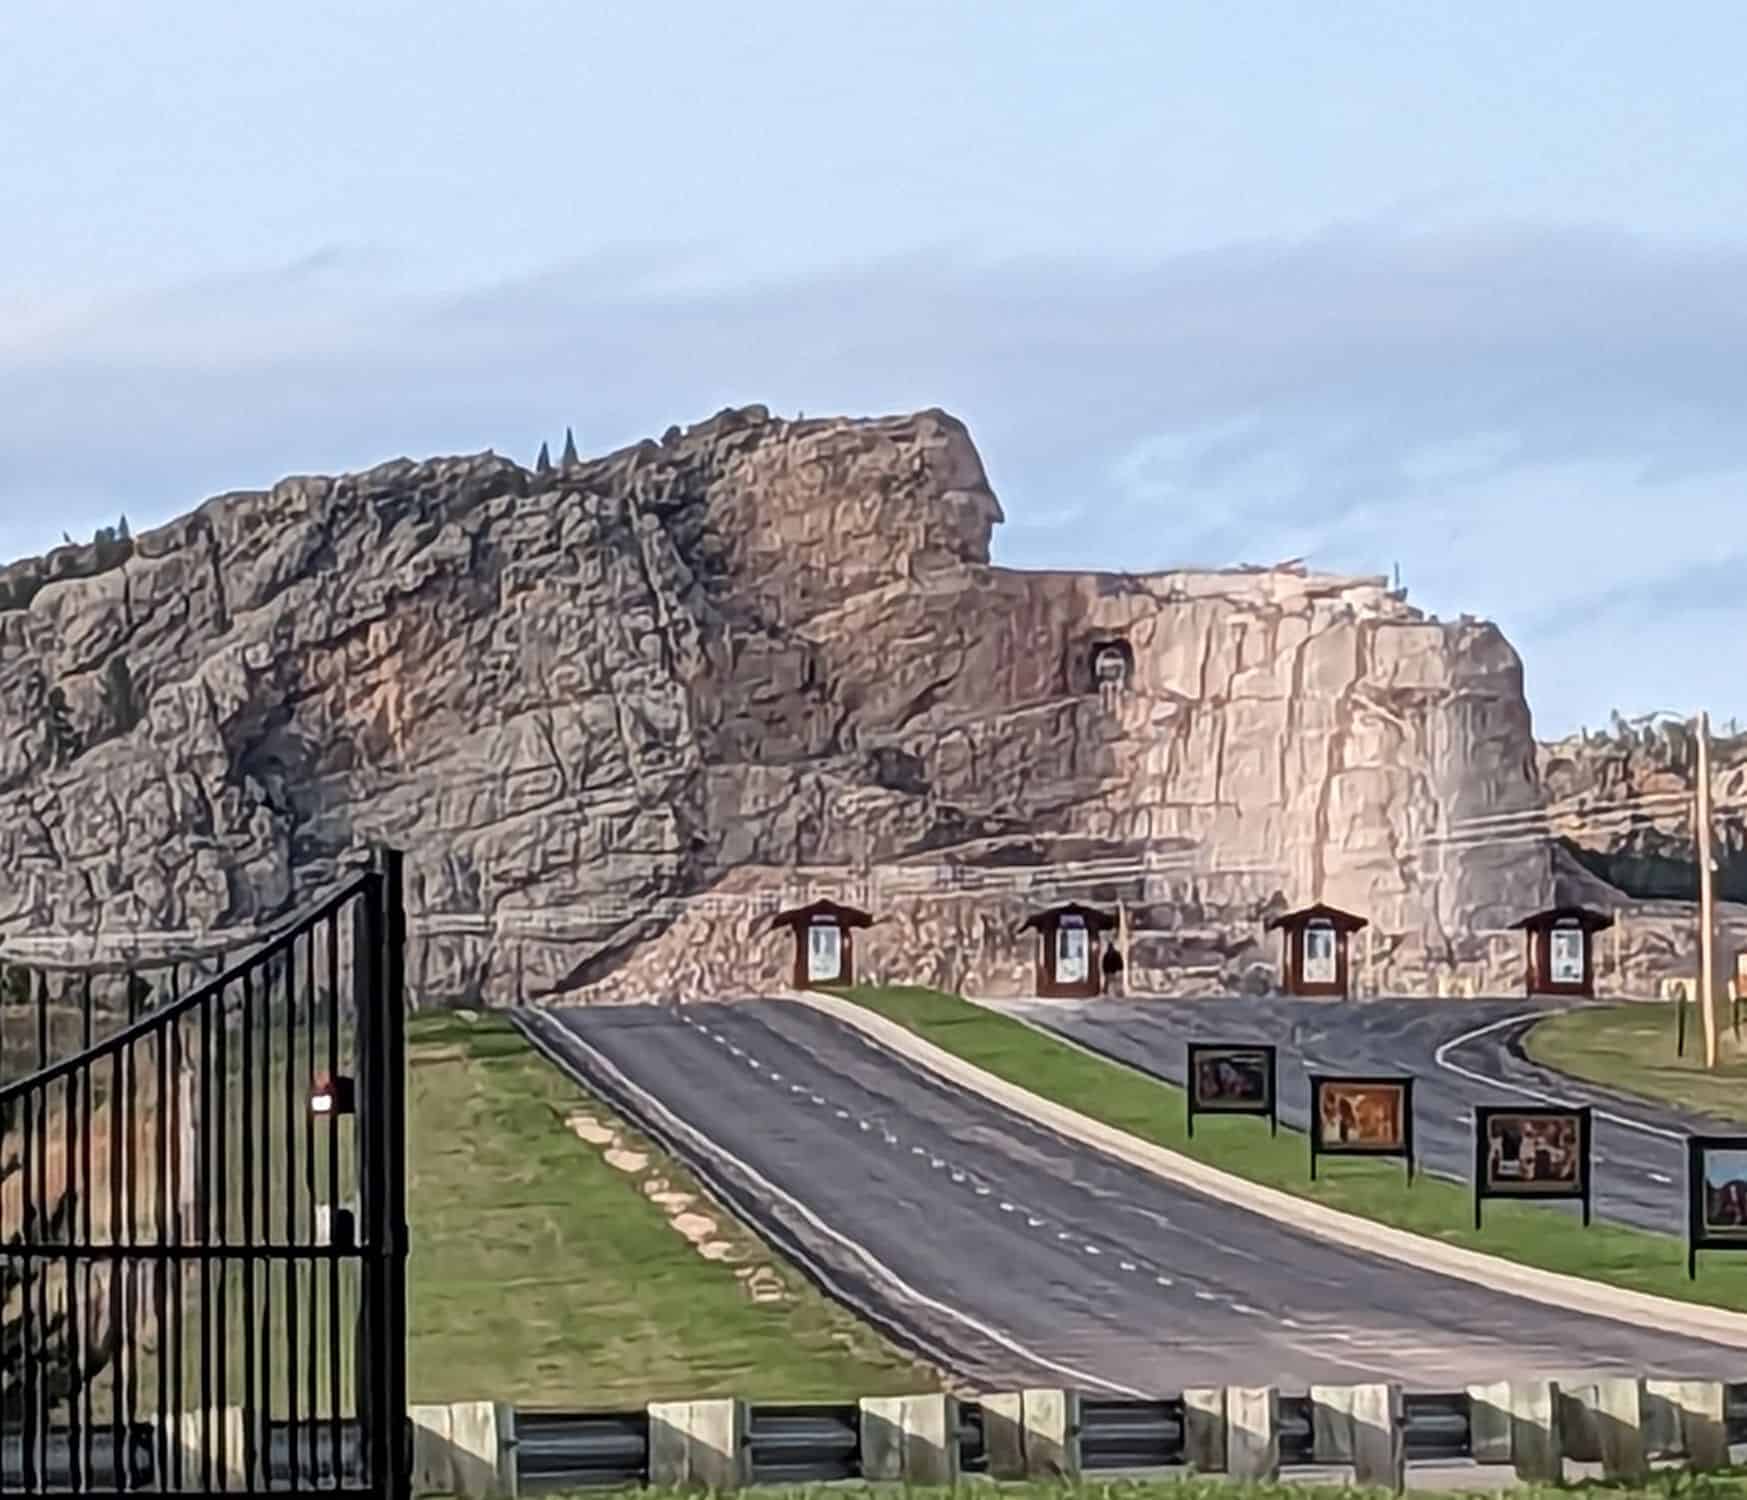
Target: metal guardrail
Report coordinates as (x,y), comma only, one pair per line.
(1131,1434)
(805,1444)
(791,1444)
(582,1450)
(87,1459)
(83,1460)
(1436,1428)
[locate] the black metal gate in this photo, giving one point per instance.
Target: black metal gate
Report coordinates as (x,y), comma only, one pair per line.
(203,1215)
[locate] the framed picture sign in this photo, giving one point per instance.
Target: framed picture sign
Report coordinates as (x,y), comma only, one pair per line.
(1716,1193)
(1527,1151)
(1361,1116)
(1232,1078)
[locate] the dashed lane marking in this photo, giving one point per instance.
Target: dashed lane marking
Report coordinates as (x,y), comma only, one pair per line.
(958,1175)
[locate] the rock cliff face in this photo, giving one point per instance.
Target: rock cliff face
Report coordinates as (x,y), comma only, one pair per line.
(618,713)
(1630,792)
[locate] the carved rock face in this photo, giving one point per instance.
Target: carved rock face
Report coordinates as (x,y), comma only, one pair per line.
(690,668)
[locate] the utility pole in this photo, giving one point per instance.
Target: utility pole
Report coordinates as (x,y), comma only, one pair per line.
(1707,956)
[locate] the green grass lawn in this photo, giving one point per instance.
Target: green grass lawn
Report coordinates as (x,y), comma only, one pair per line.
(544,1276)
(1544,1235)
(1632,1048)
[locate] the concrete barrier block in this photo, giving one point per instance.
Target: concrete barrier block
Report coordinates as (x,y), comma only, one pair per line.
(1361,1425)
(1052,1433)
(1687,1417)
(212,1449)
(1601,1421)
(433,1463)
(1489,1422)
(482,1437)
(1252,1432)
(1536,1449)
(1204,1429)
(1004,1434)
(699,1445)
(909,1439)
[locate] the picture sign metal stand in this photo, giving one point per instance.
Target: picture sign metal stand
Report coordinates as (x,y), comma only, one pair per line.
(1564,1191)
(1237,1052)
(1703,1231)
(1320,1145)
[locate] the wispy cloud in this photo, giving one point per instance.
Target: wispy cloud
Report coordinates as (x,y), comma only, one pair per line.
(1538,424)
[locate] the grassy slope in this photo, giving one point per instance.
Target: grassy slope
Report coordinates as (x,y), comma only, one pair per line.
(1544,1235)
(542,1275)
(1631,1047)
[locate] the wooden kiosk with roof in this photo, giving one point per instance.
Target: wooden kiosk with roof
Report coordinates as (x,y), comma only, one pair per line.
(824,934)
(1560,945)
(1314,961)
(1067,951)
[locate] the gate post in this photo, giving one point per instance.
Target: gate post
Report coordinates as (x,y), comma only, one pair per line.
(382,1143)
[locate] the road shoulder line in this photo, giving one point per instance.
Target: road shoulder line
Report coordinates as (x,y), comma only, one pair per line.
(675,1134)
(1713,1324)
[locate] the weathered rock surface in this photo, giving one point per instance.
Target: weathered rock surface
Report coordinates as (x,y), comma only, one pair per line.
(618,711)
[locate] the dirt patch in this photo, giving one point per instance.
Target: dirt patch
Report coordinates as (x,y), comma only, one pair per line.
(759,1281)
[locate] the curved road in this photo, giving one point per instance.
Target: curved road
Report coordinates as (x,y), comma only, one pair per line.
(1013,1257)
(1461,1053)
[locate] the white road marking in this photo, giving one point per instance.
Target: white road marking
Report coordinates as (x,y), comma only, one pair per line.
(822,1274)
(958,1175)
(1443,1062)
(1660,1178)
(1207,1296)
(1244,1307)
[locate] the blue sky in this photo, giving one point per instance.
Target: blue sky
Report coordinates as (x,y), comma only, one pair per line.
(1461,288)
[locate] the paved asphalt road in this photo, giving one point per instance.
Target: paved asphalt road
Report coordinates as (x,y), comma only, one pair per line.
(1011,1256)
(1461,1052)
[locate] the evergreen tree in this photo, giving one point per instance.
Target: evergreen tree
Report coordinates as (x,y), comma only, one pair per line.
(543,464)
(570,459)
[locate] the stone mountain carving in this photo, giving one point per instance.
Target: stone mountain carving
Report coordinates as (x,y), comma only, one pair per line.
(759,654)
